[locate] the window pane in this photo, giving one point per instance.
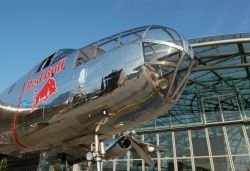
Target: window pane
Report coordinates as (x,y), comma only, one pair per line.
(62,53)
(241,163)
(107,165)
(148,124)
(248,132)
(217,141)
(236,140)
(230,107)
(151,138)
(178,118)
(221,164)
(121,165)
(166,141)
(150,168)
(167,165)
(194,117)
(135,165)
(163,120)
(159,34)
(129,38)
(202,164)
(182,144)
(108,45)
(184,165)
(159,52)
(212,109)
(199,143)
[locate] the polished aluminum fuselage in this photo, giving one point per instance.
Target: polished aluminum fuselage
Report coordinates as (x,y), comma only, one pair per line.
(113,90)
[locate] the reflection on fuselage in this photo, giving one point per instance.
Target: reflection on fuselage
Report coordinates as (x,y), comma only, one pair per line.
(134,82)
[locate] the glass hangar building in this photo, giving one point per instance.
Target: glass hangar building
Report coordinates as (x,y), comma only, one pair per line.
(208,129)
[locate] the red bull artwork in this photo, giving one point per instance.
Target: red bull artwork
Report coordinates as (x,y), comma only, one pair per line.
(46,91)
(46,74)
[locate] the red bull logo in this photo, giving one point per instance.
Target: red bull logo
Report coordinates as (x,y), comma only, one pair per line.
(46,91)
(46,74)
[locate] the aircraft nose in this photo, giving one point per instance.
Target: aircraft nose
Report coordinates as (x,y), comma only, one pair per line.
(168,68)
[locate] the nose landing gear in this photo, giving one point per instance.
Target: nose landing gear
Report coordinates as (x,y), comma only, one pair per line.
(98,151)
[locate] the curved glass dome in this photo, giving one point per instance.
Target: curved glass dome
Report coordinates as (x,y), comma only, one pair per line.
(146,33)
(167,56)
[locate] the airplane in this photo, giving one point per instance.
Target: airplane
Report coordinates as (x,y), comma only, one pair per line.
(81,104)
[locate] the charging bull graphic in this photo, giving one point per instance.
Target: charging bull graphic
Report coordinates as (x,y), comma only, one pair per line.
(46,91)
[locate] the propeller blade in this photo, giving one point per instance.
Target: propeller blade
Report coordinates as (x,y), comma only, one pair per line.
(144,144)
(142,153)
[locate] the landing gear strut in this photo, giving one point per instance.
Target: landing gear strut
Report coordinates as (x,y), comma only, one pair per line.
(98,151)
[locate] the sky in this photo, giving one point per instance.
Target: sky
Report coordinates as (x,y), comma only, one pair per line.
(31,30)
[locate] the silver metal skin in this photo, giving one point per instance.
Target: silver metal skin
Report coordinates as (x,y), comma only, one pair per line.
(118,83)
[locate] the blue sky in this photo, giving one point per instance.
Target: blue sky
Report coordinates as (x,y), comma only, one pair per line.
(30,30)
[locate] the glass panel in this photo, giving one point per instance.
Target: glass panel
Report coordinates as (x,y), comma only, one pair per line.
(236,140)
(121,165)
(107,166)
(230,108)
(151,138)
(159,34)
(80,58)
(184,165)
(166,142)
(88,52)
(216,50)
(194,118)
(182,144)
(177,38)
(108,45)
(167,165)
(150,168)
(159,52)
(217,141)
(241,163)
(202,164)
(148,124)
(248,132)
(135,165)
(246,106)
(62,53)
(199,143)
(129,38)
(178,118)
(164,120)
(221,164)
(212,109)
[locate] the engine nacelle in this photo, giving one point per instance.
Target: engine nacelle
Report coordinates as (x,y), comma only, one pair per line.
(117,147)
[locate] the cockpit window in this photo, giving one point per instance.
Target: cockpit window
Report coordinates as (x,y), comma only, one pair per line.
(55,57)
(86,54)
(62,53)
(45,63)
